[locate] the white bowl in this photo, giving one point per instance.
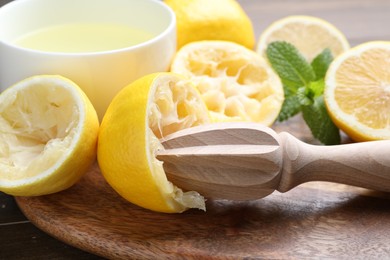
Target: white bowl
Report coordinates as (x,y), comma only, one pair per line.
(100,74)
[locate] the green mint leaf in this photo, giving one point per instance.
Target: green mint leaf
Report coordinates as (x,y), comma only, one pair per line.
(290,108)
(321,63)
(316,88)
(290,65)
(303,87)
(319,122)
(304,96)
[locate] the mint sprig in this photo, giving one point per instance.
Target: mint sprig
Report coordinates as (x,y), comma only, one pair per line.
(290,65)
(321,63)
(303,85)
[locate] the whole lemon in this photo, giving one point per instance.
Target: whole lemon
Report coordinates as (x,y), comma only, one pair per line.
(212,20)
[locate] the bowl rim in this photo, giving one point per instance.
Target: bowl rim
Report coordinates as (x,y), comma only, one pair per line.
(170,29)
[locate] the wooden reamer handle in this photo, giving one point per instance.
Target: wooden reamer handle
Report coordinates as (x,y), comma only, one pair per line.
(365,164)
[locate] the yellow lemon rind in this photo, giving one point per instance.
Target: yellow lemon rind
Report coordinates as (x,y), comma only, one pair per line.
(212,20)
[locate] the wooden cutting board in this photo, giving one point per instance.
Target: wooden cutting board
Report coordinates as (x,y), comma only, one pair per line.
(316,220)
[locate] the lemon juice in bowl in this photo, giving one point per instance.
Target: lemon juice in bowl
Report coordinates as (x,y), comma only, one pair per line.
(100,45)
(83,37)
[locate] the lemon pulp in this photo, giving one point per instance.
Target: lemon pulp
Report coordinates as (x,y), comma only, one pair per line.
(236,83)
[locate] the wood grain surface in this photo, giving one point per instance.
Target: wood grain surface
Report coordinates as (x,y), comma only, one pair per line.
(316,219)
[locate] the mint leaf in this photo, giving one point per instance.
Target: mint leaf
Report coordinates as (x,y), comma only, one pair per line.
(319,122)
(290,65)
(306,95)
(290,108)
(321,63)
(316,88)
(303,85)
(315,114)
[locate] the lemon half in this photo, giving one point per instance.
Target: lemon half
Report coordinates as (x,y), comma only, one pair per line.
(357,91)
(48,134)
(146,110)
(310,35)
(236,83)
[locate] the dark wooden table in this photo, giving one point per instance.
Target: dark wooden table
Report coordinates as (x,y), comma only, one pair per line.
(360,20)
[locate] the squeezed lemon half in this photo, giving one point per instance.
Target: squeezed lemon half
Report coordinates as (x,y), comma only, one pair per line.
(48,134)
(236,83)
(144,111)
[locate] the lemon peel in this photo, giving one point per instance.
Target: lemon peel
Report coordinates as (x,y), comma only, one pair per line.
(212,20)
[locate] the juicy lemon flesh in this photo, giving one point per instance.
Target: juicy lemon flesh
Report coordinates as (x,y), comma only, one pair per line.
(37,129)
(310,35)
(235,85)
(363,90)
(294,33)
(175,106)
